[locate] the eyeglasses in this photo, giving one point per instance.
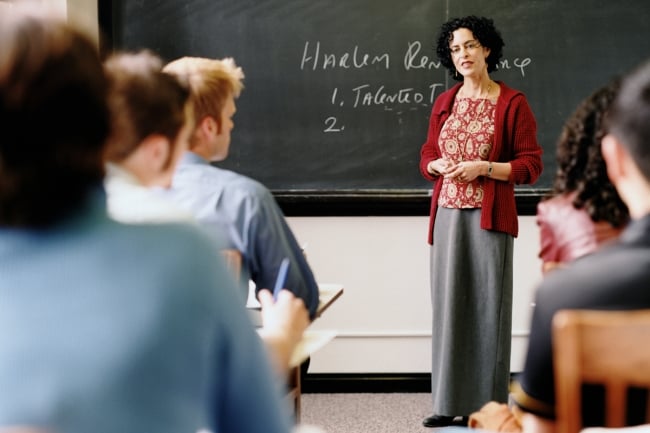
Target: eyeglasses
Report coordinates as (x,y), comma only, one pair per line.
(469,46)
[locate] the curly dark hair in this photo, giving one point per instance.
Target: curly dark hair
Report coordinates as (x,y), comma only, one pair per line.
(483,30)
(580,165)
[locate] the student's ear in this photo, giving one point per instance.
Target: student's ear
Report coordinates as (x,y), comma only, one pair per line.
(210,126)
(613,154)
(219,126)
(157,150)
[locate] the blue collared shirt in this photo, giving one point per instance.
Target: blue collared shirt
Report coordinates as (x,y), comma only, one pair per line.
(244,212)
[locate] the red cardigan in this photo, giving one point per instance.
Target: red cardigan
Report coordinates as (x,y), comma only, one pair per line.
(515,141)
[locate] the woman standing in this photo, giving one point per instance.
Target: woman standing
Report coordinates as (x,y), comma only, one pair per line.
(482,140)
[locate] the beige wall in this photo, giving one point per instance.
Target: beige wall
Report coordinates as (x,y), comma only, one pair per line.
(383,318)
(83,13)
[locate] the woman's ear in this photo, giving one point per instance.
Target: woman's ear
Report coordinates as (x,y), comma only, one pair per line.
(487,52)
(612,152)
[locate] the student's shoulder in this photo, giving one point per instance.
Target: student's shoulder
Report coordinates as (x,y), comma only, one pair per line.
(559,210)
(179,250)
(603,278)
(228,184)
(179,236)
(242,184)
(173,256)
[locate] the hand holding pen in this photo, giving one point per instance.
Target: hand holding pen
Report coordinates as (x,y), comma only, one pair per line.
(283,311)
(284,318)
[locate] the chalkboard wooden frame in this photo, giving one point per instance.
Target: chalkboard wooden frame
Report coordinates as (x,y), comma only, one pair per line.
(389,203)
(588,45)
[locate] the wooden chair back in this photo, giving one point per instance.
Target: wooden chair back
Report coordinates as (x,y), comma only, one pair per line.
(609,348)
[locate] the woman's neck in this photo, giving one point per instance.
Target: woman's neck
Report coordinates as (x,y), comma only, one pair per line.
(479,88)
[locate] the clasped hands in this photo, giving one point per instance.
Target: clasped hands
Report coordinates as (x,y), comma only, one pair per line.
(463,171)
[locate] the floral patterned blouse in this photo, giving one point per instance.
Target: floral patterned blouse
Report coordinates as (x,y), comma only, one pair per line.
(467,135)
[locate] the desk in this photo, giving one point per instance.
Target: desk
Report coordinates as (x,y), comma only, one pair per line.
(314,340)
(327,294)
(311,342)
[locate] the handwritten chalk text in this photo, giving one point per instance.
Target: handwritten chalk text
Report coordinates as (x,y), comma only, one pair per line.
(415,95)
(365,96)
(413,59)
(315,59)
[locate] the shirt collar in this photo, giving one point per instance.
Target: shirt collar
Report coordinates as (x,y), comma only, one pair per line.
(193,158)
(636,229)
(114,171)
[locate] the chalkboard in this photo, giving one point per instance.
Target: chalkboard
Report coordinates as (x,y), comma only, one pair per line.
(338,92)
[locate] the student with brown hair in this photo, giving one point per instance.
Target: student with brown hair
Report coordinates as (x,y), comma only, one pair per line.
(152,119)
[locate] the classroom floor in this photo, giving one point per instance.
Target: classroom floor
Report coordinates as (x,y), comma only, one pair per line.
(367,413)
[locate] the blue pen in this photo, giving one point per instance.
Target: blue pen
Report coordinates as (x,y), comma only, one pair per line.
(282,277)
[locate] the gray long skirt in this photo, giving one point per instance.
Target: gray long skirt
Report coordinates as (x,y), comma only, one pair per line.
(471,296)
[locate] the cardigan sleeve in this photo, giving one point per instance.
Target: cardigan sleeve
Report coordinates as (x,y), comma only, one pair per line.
(430,151)
(526,161)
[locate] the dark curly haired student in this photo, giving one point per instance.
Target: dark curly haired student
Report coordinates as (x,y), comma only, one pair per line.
(482,141)
(614,277)
(584,211)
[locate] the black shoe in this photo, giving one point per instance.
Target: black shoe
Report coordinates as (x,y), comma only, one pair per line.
(438,421)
